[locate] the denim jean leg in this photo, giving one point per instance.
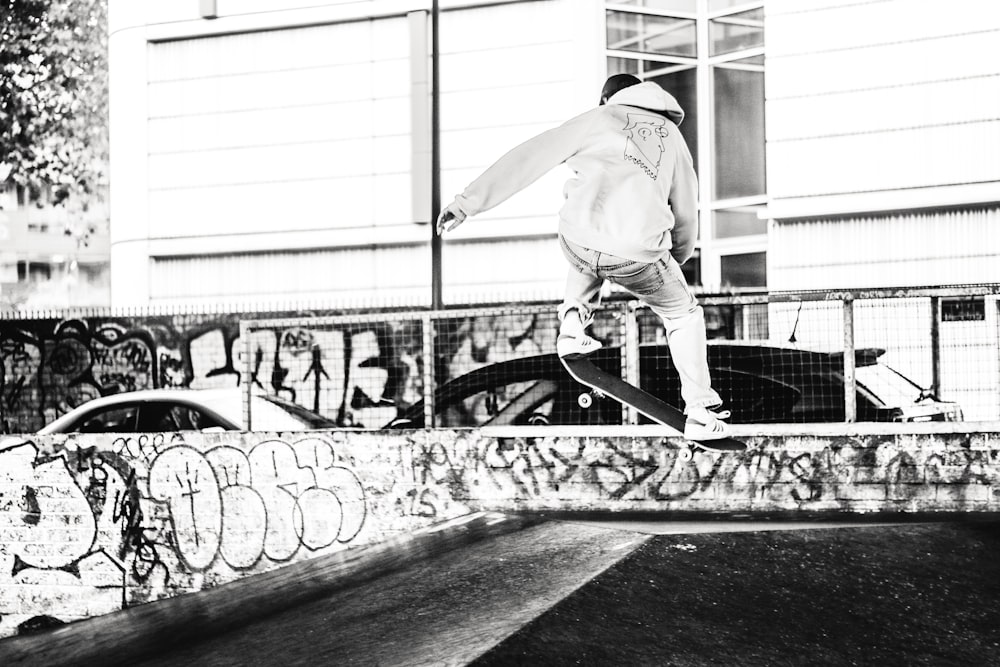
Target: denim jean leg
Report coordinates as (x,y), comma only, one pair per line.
(684,321)
(583,286)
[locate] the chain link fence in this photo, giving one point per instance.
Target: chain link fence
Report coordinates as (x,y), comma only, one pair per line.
(919,354)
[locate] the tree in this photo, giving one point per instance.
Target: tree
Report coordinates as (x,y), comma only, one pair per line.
(54,98)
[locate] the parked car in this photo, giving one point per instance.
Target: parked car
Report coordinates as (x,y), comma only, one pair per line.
(167,410)
(759,382)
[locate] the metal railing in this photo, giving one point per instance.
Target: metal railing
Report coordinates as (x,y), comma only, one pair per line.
(367,370)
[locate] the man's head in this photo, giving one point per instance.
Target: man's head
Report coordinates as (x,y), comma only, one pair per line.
(615,83)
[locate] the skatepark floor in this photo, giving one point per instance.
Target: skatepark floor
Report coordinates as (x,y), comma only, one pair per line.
(596,592)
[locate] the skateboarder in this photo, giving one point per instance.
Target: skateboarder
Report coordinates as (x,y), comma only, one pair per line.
(630,216)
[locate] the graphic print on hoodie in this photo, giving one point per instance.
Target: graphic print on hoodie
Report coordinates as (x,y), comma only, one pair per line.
(644,143)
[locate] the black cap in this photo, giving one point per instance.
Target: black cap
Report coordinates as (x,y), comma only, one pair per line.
(617,82)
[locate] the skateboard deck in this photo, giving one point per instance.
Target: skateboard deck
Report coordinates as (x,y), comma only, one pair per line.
(586,373)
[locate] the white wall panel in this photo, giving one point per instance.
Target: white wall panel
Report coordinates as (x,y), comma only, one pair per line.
(500,88)
(910,158)
(884,109)
(503,270)
(539,103)
(883,96)
(275,51)
(845,25)
(327,159)
(348,273)
(268,136)
(892,64)
(321,85)
(262,207)
(263,127)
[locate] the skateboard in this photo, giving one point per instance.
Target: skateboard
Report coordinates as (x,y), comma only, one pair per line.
(604,384)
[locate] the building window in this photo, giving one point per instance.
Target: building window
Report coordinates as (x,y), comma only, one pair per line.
(738,126)
(736,32)
(34,272)
(709,54)
(649,33)
(745,270)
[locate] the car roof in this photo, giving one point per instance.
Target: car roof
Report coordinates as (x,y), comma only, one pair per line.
(201,397)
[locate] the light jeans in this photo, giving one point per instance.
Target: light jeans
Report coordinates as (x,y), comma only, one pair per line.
(662,286)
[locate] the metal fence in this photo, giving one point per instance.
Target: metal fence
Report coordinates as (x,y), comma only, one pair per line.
(776,357)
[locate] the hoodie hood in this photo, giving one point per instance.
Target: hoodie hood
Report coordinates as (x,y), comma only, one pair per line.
(649,95)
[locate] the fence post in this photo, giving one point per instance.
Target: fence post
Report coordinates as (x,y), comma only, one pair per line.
(850,380)
(429,365)
(936,345)
(246,374)
(630,353)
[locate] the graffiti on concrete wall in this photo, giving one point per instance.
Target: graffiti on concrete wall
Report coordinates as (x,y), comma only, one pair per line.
(90,529)
(886,473)
(92,523)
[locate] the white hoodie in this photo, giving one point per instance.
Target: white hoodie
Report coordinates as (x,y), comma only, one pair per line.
(634,193)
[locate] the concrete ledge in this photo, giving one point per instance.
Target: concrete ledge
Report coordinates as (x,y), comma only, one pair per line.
(152,627)
(748,430)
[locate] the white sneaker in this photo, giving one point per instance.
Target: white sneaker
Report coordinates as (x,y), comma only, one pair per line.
(578,345)
(705,424)
(573,340)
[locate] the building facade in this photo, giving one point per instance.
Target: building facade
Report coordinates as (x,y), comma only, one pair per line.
(280,151)
(51,257)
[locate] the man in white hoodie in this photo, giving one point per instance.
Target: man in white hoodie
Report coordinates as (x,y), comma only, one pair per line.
(630,216)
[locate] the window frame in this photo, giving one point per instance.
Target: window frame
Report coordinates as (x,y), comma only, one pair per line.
(711,249)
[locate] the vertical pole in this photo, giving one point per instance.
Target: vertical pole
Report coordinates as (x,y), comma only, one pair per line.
(420,116)
(436,292)
(429,366)
(936,345)
(630,353)
(850,380)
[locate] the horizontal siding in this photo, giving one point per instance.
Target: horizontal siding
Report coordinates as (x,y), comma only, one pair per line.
(911,158)
(932,104)
(283,50)
(796,26)
(501,87)
(299,129)
(503,270)
(268,139)
(895,250)
(473,271)
(881,95)
(346,272)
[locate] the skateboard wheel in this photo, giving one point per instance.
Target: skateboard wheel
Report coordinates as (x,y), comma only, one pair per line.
(585,400)
(685,454)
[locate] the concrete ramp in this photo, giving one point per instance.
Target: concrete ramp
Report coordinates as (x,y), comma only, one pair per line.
(442,596)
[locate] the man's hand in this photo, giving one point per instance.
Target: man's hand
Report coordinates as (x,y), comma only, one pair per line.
(450,218)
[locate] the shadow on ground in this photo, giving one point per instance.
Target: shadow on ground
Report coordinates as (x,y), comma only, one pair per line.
(925,594)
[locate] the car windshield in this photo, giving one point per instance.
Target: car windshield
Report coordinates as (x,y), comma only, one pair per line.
(894,389)
(270,410)
(268,413)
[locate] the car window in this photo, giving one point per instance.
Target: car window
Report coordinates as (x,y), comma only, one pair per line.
(274,415)
(166,417)
(891,387)
(532,402)
(306,419)
(481,407)
(532,406)
(116,419)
